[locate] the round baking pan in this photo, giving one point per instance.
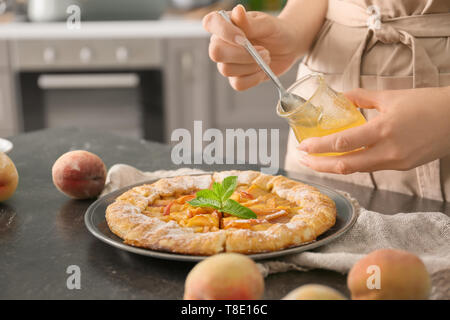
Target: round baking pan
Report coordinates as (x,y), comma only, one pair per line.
(96,223)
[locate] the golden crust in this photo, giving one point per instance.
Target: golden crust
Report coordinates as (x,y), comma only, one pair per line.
(125,218)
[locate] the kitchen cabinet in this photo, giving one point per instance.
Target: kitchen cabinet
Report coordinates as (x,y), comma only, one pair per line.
(4,62)
(195,90)
(187,84)
(8,114)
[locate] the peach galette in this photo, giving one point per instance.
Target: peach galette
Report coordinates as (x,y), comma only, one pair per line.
(231,211)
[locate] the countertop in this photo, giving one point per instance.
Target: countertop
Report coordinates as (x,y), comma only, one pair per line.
(99,29)
(42,232)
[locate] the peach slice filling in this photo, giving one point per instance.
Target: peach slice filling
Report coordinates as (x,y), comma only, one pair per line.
(269,207)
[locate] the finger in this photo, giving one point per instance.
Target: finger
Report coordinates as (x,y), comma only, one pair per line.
(221,51)
(239,17)
(366,160)
(368,99)
(238,70)
(343,141)
(254,24)
(217,25)
(246,82)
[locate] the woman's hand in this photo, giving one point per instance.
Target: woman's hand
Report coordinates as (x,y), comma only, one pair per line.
(279,40)
(412,128)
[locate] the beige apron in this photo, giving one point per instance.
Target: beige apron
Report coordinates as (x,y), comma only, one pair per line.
(406,46)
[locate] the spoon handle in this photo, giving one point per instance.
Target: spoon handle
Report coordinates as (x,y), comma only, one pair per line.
(254,53)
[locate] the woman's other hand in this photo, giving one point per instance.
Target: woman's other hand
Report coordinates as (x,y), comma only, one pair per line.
(412,128)
(279,40)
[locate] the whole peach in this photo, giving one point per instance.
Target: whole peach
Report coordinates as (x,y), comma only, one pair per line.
(314,292)
(9,178)
(389,274)
(225,276)
(79,174)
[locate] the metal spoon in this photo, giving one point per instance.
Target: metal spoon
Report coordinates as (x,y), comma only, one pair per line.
(288,101)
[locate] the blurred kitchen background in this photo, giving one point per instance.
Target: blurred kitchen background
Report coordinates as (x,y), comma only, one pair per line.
(138,68)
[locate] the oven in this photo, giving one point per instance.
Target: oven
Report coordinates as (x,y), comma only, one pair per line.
(114,85)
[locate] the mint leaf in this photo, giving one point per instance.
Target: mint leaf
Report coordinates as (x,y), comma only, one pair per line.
(217,188)
(205,202)
(209,194)
(229,184)
(218,198)
(233,207)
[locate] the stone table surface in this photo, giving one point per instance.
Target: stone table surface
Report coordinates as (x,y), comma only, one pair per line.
(42,232)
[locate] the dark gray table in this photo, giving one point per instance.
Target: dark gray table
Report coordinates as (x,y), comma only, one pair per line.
(42,232)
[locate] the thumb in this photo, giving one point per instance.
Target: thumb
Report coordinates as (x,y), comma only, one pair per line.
(254,24)
(217,25)
(367,99)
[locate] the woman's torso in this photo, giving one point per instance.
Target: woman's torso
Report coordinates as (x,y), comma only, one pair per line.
(386,62)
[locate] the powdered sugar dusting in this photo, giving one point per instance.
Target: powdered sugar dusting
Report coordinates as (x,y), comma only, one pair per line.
(169,235)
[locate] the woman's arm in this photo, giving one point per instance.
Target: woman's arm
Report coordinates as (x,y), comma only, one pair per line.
(413,128)
(305,18)
(280,40)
